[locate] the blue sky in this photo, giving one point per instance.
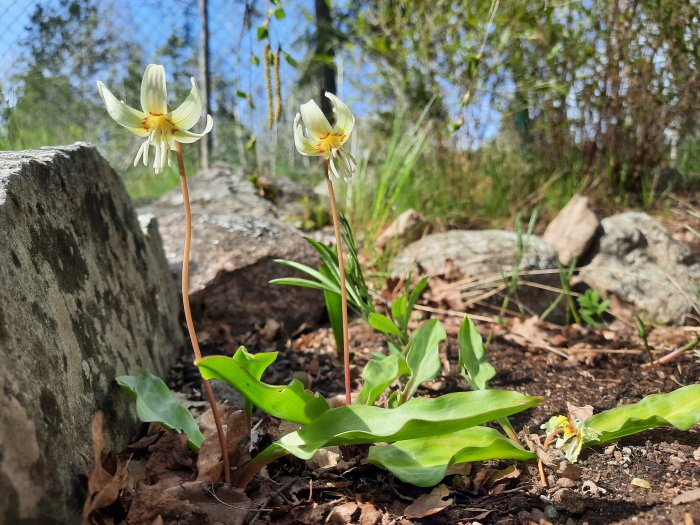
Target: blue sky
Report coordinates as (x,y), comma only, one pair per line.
(152,21)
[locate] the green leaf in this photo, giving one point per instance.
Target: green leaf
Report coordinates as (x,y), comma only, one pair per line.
(417,418)
(326,282)
(155,403)
(423,357)
(241,94)
(472,356)
(381,323)
(262,32)
(291,402)
(378,375)
(680,409)
(279,13)
(289,59)
(256,364)
(424,461)
(300,281)
(334,307)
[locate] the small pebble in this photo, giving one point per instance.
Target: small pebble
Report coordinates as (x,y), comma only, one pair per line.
(551,512)
(565,483)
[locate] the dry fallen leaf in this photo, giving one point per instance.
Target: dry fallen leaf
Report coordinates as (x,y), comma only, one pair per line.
(641,483)
(342,514)
(687,497)
(103,488)
(429,504)
(209,464)
(579,413)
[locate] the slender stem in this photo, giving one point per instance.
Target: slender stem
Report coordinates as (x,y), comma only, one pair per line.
(188,312)
(343,295)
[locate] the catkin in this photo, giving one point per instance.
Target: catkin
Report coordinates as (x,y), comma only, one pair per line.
(278,85)
(268,85)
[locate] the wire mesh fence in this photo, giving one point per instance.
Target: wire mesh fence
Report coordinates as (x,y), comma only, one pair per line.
(82,41)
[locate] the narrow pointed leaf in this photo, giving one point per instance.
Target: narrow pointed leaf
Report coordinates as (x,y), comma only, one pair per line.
(290,402)
(155,403)
(424,461)
(305,283)
(472,356)
(680,409)
(420,417)
(378,375)
(381,323)
(334,307)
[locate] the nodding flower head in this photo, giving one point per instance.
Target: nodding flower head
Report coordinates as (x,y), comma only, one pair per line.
(161,127)
(323,140)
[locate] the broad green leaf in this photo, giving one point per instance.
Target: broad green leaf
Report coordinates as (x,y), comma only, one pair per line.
(334,307)
(680,408)
(378,375)
(416,292)
(423,357)
(472,356)
(155,403)
(417,418)
(381,323)
(256,364)
(291,402)
(424,461)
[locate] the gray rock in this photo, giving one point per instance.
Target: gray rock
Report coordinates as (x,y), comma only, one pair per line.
(486,253)
(572,230)
(639,264)
(85,296)
(236,237)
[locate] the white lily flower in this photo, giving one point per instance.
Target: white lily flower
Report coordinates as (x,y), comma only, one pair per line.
(323,140)
(161,127)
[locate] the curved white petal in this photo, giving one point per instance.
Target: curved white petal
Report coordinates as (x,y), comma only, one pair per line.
(344,119)
(305,145)
(154,95)
(121,113)
(187,114)
(187,137)
(316,123)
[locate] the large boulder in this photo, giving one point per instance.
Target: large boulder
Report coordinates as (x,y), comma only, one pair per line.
(85,296)
(236,237)
(486,255)
(639,264)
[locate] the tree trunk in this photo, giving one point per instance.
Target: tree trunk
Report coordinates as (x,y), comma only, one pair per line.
(326,52)
(204,78)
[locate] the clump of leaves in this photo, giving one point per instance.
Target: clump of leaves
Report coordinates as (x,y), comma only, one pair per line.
(592,307)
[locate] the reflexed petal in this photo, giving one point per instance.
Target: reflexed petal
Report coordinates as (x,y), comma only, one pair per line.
(188,113)
(316,123)
(154,96)
(122,114)
(344,119)
(305,145)
(187,137)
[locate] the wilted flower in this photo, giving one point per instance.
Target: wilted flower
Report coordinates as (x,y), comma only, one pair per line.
(322,139)
(161,127)
(571,435)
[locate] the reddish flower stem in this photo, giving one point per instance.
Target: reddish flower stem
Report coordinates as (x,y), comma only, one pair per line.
(188,314)
(343,293)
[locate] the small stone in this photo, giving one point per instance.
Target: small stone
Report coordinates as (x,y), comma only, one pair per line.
(565,483)
(551,512)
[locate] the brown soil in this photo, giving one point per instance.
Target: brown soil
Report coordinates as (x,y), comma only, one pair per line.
(597,489)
